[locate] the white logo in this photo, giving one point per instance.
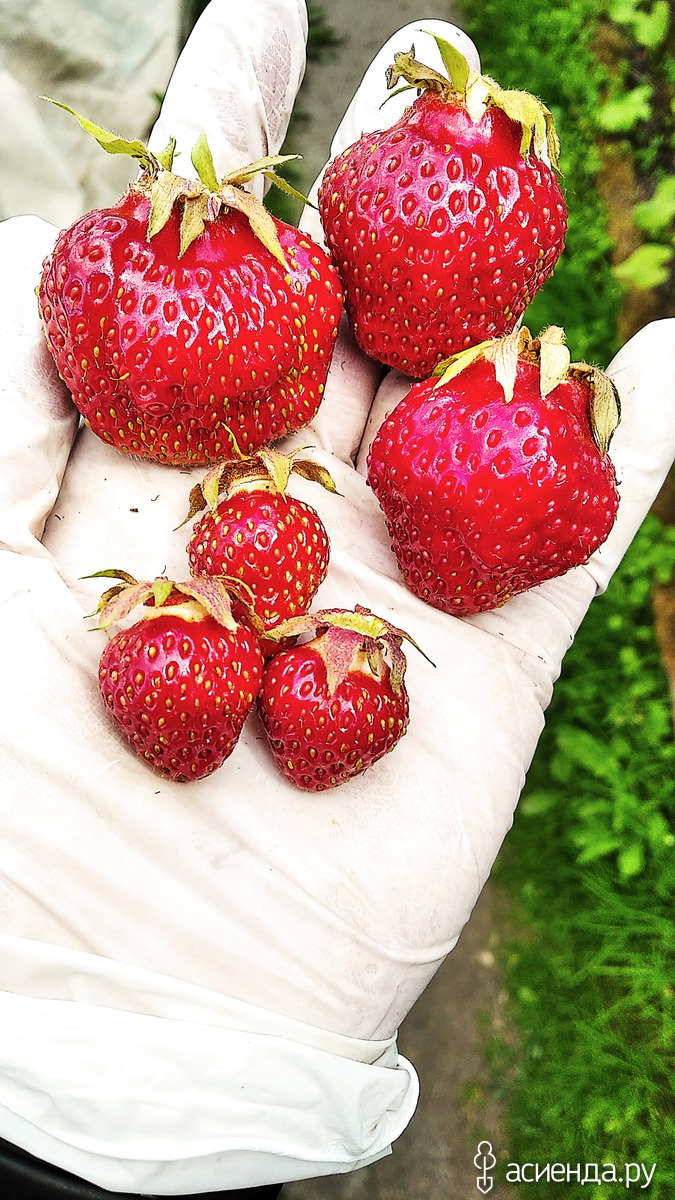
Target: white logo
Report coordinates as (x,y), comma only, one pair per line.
(485,1161)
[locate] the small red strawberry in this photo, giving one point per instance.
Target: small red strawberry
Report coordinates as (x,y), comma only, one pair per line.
(255,532)
(334,706)
(444,226)
(181,681)
(495,476)
(185,308)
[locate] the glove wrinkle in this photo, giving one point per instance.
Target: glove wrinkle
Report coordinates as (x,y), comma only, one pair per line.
(243,110)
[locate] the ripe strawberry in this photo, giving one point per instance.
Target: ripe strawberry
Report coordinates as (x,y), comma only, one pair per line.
(186,307)
(495,476)
(181,681)
(334,706)
(274,543)
(444,226)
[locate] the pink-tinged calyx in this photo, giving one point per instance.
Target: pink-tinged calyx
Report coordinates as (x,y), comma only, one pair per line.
(351,640)
(192,599)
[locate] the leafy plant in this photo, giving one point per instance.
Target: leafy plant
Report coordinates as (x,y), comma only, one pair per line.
(647,267)
(588,873)
(656,216)
(622,113)
(648,25)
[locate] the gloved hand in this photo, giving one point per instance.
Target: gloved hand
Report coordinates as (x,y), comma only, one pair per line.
(332,910)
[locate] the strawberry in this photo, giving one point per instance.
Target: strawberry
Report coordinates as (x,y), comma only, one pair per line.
(255,532)
(181,681)
(444,226)
(495,476)
(186,307)
(334,706)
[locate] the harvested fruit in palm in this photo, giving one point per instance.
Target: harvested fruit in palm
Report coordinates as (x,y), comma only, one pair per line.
(185,308)
(336,704)
(256,532)
(495,476)
(444,226)
(181,681)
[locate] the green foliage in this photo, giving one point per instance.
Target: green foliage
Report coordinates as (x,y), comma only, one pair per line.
(647,24)
(656,216)
(647,267)
(548,51)
(609,740)
(626,109)
(589,871)
(639,111)
(322,39)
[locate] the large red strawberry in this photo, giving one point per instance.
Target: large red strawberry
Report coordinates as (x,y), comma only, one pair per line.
(185,308)
(495,476)
(256,532)
(181,681)
(445,225)
(334,706)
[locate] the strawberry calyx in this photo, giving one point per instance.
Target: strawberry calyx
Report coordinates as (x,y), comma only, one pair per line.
(268,470)
(352,640)
(203,199)
(193,599)
(477,92)
(551,355)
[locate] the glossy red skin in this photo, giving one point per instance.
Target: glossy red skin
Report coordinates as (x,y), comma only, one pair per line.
(485,499)
(180,691)
(162,353)
(442,233)
(276,545)
(320,741)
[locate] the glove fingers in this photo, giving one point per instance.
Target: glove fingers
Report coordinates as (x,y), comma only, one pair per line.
(37,416)
(366,113)
(643,447)
(236,81)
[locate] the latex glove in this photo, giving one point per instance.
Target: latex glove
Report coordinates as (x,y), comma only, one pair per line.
(336,909)
(366,888)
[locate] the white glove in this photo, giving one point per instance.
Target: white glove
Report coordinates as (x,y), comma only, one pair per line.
(317,918)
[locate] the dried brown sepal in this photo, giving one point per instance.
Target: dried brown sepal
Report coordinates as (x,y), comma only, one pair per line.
(503,353)
(260,220)
(605,403)
(215,596)
(417,74)
(477,92)
(554,359)
(123,602)
(316,473)
(266,470)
